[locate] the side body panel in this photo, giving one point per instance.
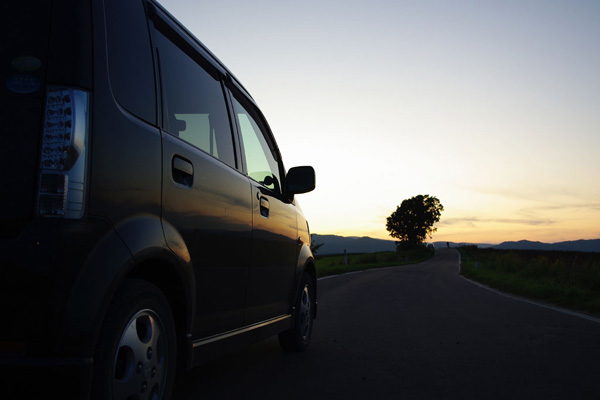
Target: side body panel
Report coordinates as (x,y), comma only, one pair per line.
(274,255)
(214,218)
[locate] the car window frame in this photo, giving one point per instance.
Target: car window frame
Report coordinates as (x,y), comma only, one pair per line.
(250,106)
(163,24)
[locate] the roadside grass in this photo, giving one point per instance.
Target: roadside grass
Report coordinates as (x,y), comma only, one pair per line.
(566,279)
(335,264)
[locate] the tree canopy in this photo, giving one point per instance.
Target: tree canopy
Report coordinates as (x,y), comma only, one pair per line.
(413,220)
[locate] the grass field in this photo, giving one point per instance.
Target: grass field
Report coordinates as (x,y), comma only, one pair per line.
(566,279)
(336,264)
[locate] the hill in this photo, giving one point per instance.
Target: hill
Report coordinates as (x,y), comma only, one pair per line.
(334,244)
(574,245)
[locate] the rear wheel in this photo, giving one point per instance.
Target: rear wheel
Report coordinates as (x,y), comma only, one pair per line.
(135,355)
(298,337)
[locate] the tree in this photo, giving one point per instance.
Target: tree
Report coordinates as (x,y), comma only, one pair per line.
(413,220)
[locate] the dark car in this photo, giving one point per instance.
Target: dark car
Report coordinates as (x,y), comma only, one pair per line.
(147,221)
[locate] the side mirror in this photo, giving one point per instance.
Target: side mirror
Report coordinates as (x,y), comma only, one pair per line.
(300,180)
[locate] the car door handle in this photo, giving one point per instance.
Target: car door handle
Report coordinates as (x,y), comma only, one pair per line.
(264,207)
(183,171)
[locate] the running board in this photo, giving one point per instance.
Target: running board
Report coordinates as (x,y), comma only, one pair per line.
(212,347)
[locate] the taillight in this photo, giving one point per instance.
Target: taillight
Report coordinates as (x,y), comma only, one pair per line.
(61,191)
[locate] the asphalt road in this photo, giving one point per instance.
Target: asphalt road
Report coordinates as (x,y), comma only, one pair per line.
(415,332)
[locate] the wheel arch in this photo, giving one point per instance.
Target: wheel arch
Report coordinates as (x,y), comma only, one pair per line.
(136,249)
(306,264)
(311,270)
(180,293)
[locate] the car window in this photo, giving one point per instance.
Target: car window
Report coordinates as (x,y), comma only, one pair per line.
(194,107)
(261,163)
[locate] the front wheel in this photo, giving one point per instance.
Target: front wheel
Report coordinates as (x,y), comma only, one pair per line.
(135,355)
(298,337)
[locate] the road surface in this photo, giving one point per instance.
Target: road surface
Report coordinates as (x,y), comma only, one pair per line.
(415,332)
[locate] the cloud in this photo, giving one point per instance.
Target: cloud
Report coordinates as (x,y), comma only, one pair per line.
(560,207)
(474,221)
(545,198)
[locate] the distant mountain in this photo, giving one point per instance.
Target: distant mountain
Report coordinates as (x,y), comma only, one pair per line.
(524,245)
(334,244)
(575,245)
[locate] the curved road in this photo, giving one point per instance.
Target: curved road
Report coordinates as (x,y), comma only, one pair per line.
(415,332)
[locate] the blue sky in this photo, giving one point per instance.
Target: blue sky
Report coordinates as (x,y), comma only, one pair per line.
(492,106)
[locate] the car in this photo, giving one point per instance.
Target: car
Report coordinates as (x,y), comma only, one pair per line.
(147,222)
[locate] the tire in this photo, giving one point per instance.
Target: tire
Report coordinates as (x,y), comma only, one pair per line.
(136,351)
(298,337)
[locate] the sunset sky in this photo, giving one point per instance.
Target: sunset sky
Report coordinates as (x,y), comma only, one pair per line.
(491,106)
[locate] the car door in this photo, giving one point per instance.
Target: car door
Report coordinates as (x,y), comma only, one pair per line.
(274,225)
(205,198)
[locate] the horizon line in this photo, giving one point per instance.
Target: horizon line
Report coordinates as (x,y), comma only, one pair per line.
(451,241)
